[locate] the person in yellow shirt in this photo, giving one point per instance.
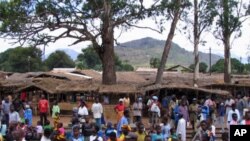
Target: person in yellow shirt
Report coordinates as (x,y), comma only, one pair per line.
(141,134)
(125,131)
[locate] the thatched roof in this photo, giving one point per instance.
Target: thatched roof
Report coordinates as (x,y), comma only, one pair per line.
(77,86)
(129,77)
(48,85)
(119,88)
(185,87)
(173,78)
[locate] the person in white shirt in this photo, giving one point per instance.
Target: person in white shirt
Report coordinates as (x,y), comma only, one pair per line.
(181,127)
(97,110)
(94,136)
(230,113)
(137,110)
(46,135)
(82,111)
(13,115)
(228,104)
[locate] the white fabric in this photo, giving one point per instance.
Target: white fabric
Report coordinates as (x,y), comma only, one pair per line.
(137,108)
(208,103)
(39,129)
(229,116)
(83,111)
(45,139)
(97,110)
(181,129)
(213,130)
(155,108)
(92,138)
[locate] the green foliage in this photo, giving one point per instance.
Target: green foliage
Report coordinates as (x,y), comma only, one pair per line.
(202,67)
(21,60)
(89,59)
(154,62)
(237,66)
(59,59)
(247,68)
(229,21)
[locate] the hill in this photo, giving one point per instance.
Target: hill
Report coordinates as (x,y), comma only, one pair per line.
(139,52)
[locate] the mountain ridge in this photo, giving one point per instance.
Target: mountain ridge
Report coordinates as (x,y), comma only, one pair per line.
(138,53)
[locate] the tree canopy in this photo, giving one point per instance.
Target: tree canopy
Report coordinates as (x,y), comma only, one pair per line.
(21,59)
(89,59)
(45,21)
(202,67)
(237,66)
(59,59)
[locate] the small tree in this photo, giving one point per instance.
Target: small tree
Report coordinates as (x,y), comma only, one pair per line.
(154,62)
(59,59)
(202,67)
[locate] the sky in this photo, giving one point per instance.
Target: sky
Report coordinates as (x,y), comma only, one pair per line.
(239,46)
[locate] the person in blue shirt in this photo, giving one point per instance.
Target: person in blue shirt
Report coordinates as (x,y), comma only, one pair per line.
(28,114)
(165,129)
(109,130)
(76,134)
(158,135)
(3,128)
(123,121)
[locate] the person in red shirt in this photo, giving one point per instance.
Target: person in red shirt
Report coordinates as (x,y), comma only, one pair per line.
(23,96)
(43,106)
(247,119)
(119,109)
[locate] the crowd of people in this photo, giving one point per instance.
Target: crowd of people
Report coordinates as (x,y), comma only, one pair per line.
(168,119)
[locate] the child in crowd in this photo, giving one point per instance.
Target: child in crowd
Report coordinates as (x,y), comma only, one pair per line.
(28,114)
(47,125)
(166,128)
(109,130)
(56,120)
(60,136)
(3,128)
(76,134)
(39,129)
(46,135)
(158,135)
(173,135)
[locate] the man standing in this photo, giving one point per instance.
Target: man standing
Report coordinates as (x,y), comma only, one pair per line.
(6,109)
(183,110)
(181,128)
(97,110)
(43,106)
(137,110)
(193,109)
(230,113)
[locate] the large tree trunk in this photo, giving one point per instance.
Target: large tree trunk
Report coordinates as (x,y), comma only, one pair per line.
(227,62)
(196,45)
(167,46)
(107,48)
